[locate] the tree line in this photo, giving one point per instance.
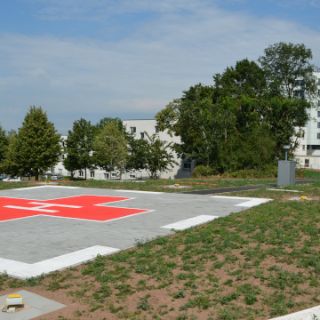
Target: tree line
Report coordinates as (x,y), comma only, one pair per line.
(252,109)
(241,121)
(36,147)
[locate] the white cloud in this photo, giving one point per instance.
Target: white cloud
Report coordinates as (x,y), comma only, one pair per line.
(138,75)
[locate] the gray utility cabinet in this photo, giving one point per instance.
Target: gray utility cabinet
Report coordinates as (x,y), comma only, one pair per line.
(286,172)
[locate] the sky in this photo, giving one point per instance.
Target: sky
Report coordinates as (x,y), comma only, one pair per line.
(130,58)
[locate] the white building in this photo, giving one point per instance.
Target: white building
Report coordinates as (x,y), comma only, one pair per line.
(307,154)
(138,128)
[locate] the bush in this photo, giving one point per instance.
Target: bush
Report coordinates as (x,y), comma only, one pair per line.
(203,171)
(267,172)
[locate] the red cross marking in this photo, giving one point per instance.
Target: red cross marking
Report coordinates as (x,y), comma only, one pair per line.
(86,207)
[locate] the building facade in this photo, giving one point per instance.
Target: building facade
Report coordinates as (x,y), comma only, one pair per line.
(307,154)
(139,129)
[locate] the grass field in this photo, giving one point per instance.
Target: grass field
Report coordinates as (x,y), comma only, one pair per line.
(256,264)
(170,185)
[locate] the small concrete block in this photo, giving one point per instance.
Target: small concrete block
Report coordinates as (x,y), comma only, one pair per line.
(35,306)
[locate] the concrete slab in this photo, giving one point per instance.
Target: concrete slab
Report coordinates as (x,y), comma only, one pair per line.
(307,314)
(37,244)
(35,306)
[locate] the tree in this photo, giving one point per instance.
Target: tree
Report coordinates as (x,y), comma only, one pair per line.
(159,157)
(79,145)
(282,115)
(37,146)
(3,146)
(110,149)
(101,124)
(284,63)
(9,165)
(137,154)
(246,78)
(191,118)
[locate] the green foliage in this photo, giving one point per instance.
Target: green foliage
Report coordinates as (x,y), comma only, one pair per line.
(243,121)
(284,63)
(138,154)
(159,156)
(9,164)
(79,145)
(104,121)
(110,147)
(3,144)
(36,147)
(202,171)
(3,147)
(246,78)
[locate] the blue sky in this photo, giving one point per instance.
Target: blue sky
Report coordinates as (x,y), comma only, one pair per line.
(129,58)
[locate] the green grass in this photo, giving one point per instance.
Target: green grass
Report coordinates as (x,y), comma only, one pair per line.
(14,185)
(163,185)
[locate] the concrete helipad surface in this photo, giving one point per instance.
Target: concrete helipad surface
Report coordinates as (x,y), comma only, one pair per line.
(35,306)
(43,229)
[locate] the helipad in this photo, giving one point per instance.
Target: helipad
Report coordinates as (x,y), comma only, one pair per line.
(47,228)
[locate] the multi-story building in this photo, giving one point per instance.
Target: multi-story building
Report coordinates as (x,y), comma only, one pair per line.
(139,129)
(307,154)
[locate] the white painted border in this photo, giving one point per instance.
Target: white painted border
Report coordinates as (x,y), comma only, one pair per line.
(307,314)
(41,187)
(22,270)
(247,202)
(138,191)
(188,223)
(283,190)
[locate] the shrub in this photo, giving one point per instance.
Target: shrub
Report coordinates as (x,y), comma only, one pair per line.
(203,171)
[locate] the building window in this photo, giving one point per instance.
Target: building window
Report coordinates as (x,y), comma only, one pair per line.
(299,94)
(318,114)
(319,125)
(142,135)
(133,130)
(187,165)
(92,174)
(306,163)
(318,135)
(319,93)
(80,173)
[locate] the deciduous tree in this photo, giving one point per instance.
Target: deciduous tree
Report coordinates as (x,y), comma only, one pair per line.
(110,150)
(37,146)
(79,145)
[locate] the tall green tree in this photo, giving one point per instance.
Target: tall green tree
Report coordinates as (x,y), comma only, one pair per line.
(9,165)
(3,147)
(248,110)
(79,146)
(137,154)
(110,150)
(190,117)
(104,121)
(37,146)
(284,63)
(245,78)
(159,156)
